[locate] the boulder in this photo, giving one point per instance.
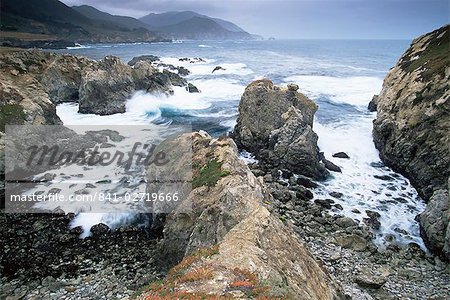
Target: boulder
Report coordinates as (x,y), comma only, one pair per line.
(328,164)
(292,87)
(105,87)
(373,104)
(434,224)
(147,58)
(275,124)
(100,229)
(341,155)
(231,239)
(192,88)
(218,68)
(62,79)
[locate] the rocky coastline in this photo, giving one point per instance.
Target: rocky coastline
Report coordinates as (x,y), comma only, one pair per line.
(412,126)
(254,230)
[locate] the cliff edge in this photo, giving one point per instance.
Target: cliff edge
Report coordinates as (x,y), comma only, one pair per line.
(413,124)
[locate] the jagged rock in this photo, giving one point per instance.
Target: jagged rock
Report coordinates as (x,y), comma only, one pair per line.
(370,281)
(175,79)
(23,101)
(182,71)
(341,155)
(142,74)
(325,203)
(147,58)
(192,88)
(292,87)
(239,233)
(218,68)
(276,125)
(413,120)
(62,78)
(351,241)
(306,182)
(345,222)
(434,224)
(105,87)
(100,229)
(373,104)
(328,164)
(372,219)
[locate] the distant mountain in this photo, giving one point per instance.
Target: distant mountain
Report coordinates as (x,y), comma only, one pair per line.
(100,16)
(191,25)
(23,21)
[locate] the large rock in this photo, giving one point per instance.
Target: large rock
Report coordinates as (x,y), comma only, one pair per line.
(276,125)
(105,87)
(62,79)
(413,121)
(229,242)
(434,224)
(23,99)
(413,124)
(100,87)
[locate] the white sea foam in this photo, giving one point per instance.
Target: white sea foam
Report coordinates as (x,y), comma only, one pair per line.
(143,108)
(204,46)
(351,90)
(207,66)
(360,188)
(352,134)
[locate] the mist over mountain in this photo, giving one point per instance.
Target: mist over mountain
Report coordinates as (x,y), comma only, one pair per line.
(50,23)
(191,25)
(53,24)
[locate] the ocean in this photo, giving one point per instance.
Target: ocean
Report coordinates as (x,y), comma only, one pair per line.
(341,76)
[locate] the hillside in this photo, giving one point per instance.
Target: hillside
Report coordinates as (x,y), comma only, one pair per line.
(100,16)
(52,23)
(191,25)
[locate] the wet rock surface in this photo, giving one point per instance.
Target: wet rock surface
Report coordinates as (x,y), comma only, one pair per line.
(36,81)
(413,122)
(41,258)
(347,250)
(275,124)
(228,232)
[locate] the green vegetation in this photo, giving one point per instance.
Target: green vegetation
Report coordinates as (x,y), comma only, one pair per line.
(209,174)
(11,114)
(434,58)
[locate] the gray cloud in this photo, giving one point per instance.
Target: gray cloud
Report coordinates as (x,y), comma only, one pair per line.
(303,18)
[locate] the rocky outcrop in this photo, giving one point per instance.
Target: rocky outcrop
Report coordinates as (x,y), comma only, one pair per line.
(23,99)
(100,87)
(413,119)
(105,87)
(434,224)
(413,122)
(229,244)
(373,104)
(276,125)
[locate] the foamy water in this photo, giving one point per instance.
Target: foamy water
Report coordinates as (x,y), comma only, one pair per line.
(396,200)
(341,76)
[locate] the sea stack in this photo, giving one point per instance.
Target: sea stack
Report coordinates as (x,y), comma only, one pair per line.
(276,124)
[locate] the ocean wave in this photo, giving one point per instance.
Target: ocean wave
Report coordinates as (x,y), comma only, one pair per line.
(357,90)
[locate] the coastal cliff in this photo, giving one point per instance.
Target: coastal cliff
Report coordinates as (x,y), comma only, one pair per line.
(229,244)
(33,82)
(413,124)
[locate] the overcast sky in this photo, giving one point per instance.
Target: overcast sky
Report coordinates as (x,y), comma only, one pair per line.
(369,19)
